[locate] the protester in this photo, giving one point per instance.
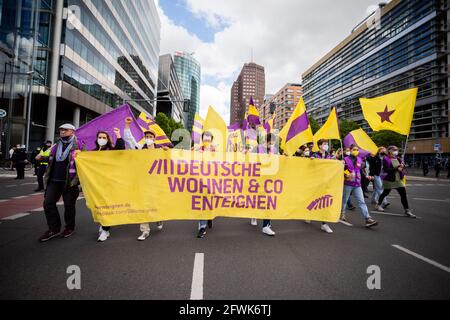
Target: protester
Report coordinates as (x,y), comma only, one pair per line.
(207,145)
(104,143)
(41,164)
(393,178)
(270,147)
(149,137)
(375,168)
(61,179)
(340,155)
(20,160)
(352,185)
(448,168)
(322,154)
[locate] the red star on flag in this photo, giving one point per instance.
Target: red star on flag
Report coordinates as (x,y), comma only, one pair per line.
(385,115)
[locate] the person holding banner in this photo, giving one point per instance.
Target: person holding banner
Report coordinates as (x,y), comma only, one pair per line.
(207,145)
(393,178)
(322,154)
(149,136)
(104,143)
(61,179)
(269,147)
(352,184)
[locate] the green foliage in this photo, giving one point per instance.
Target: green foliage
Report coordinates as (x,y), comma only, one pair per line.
(386,138)
(314,125)
(167,124)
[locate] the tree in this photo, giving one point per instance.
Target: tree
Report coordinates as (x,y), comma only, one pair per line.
(347,126)
(314,125)
(168,125)
(386,138)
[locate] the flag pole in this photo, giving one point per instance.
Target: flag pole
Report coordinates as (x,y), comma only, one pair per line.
(406,145)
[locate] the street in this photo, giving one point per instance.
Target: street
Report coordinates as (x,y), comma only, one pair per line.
(238,261)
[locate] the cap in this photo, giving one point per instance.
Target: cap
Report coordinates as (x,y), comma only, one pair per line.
(67,126)
(392,148)
(150,131)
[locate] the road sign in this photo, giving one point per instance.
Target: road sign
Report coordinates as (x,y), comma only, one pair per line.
(2,113)
(437,147)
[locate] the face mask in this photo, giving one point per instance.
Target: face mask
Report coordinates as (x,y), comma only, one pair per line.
(355,153)
(382,154)
(101,142)
(65,138)
(307,153)
(325,147)
(395,153)
(149,142)
(347,153)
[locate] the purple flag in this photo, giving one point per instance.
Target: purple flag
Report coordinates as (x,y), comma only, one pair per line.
(349,140)
(234,126)
(299,125)
(87,134)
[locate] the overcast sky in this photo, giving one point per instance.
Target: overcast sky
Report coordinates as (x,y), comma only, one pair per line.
(287,37)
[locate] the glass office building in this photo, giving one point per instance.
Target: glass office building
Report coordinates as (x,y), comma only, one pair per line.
(90,56)
(189,74)
(403,45)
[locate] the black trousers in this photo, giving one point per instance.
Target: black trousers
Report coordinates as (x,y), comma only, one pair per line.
(40,175)
(53,193)
(401,191)
(20,167)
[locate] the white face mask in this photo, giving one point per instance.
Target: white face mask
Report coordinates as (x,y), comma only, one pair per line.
(347,153)
(102,142)
(325,147)
(149,142)
(395,153)
(307,153)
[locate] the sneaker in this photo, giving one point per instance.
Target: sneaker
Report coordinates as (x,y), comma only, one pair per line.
(409,213)
(307,221)
(343,217)
(48,235)
(201,232)
(67,233)
(210,224)
(268,230)
(370,222)
(103,236)
(326,228)
(159,225)
(143,236)
(254,222)
(379,208)
(387,204)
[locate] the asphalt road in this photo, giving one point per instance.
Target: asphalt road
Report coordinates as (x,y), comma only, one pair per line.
(240,262)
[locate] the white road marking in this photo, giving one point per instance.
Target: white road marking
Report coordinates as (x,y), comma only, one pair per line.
(418,256)
(346,223)
(197,277)
(11,186)
(28,183)
(425,199)
(16,216)
(38,209)
(19,197)
(392,214)
(3,200)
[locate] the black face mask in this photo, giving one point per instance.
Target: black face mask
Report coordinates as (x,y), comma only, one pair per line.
(382,154)
(65,139)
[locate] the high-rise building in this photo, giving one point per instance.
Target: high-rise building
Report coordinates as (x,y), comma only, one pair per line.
(170,93)
(251,83)
(402,45)
(86,58)
(189,74)
(282,104)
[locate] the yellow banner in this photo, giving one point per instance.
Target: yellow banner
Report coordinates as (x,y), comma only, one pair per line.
(137,186)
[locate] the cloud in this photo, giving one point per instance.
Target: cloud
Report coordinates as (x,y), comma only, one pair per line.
(287,37)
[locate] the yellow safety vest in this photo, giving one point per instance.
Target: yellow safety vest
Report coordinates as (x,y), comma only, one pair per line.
(45,154)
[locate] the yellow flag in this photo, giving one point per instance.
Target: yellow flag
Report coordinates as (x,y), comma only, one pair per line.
(217,126)
(330,130)
(360,138)
(393,111)
(297,130)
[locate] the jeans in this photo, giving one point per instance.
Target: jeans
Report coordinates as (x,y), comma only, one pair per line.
(378,190)
(266,223)
(358,193)
(401,191)
(202,224)
(53,193)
